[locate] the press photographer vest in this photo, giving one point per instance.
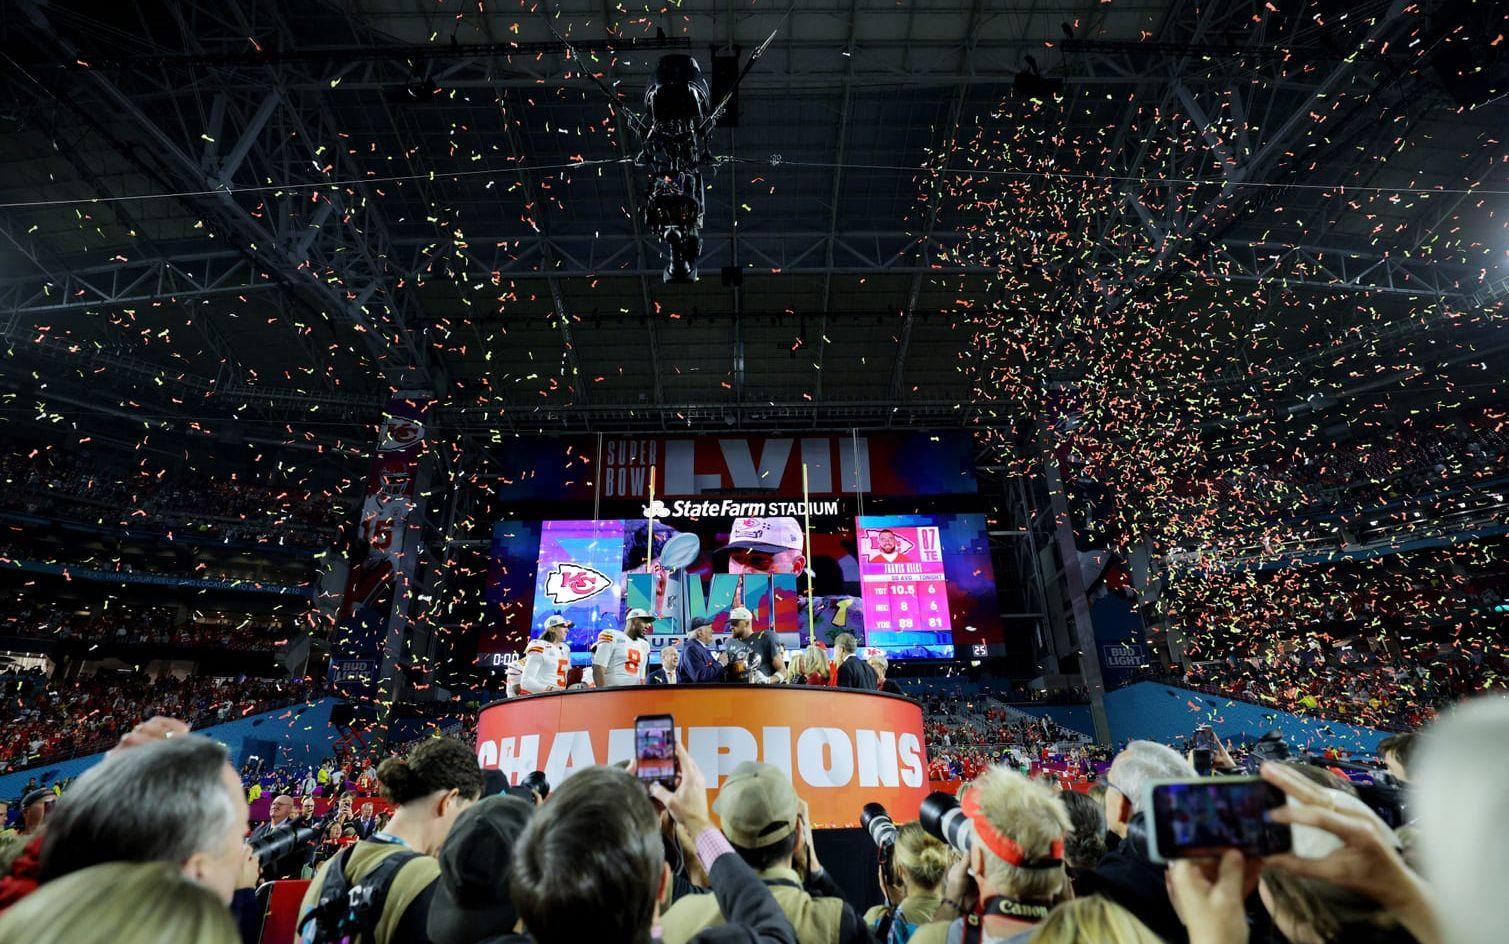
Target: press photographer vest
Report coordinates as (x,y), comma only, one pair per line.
(815,919)
(412,879)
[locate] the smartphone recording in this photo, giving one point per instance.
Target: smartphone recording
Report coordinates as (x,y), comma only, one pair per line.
(1189,819)
(655,750)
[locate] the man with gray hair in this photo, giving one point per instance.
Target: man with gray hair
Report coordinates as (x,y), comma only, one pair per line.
(1126,875)
(175,800)
(1141,763)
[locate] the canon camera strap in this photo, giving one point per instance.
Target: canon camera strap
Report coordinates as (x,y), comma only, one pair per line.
(974,923)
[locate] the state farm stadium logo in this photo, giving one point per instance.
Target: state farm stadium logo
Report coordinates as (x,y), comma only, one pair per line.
(399,432)
(573,583)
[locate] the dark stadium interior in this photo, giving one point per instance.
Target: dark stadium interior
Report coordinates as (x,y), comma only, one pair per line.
(1164,343)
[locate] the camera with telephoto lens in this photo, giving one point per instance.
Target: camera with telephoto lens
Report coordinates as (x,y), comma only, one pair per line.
(882,831)
(942,818)
(271,847)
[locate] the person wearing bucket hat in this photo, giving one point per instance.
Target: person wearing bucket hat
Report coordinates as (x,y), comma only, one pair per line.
(472,904)
(766,823)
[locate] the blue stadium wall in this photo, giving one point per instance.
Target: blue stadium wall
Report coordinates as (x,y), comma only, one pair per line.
(296,735)
(1165,713)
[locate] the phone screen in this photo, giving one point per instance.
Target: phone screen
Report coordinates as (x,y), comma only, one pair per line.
(1206,738)
(1202,760)
(655,750)
(1202,818)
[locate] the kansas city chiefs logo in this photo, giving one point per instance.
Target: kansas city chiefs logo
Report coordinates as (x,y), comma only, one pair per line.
(572,583)
(399,432)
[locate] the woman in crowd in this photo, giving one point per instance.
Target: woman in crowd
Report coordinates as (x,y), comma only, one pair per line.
(812,667)
(919,862)
(1092,920)
(120,903)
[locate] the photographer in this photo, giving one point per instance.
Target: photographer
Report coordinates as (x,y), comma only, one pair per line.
(591,866)
(290,855)
(429,790)
(1126,875)
(766,823)
(1014,871)
(919,863)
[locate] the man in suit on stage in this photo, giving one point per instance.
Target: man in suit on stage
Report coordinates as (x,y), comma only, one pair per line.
(668,673)
(853,671)
(698,663)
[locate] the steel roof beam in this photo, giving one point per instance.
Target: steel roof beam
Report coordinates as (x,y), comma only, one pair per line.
(923,267)
(223,207)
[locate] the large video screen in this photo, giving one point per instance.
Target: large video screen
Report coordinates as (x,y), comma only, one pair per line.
(914,586)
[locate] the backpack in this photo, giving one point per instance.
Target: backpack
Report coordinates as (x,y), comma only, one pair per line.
(894,928)
(348,913)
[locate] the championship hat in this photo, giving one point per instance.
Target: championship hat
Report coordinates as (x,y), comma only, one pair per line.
(740,613)
(637,613)
(757,806)
(551,622)
(765,534)
(471,895)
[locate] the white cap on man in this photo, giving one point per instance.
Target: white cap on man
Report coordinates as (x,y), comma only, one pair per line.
(554,620)
(765,534)
(637,613)
(740,613)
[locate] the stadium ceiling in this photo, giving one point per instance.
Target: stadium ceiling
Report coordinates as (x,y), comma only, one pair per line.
(309,205)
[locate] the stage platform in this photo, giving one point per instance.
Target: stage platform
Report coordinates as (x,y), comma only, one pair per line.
(841,748)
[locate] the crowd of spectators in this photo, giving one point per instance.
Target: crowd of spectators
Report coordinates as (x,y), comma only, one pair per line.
(967,735)
(1402,461)
(154,836)
(1380,642)
(1379,693)
(173,501)
(147,625)
(50,719)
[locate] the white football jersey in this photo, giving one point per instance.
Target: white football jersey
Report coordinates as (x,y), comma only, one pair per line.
(623,660)
(545,667)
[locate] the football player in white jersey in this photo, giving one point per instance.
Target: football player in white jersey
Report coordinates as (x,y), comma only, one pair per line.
(621,657)
(547,659)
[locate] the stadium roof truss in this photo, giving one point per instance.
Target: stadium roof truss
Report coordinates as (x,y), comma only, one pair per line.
(388,194)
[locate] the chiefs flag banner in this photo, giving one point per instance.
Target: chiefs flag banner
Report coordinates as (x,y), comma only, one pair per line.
(356,656)
(841,749)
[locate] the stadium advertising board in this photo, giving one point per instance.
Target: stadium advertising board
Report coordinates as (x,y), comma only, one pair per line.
(367,606)
(914,585)
(585,469)
(840,748)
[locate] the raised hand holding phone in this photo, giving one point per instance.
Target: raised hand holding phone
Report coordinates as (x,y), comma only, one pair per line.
(1367,862)
(655,750)
(687,804)
(1203,818)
